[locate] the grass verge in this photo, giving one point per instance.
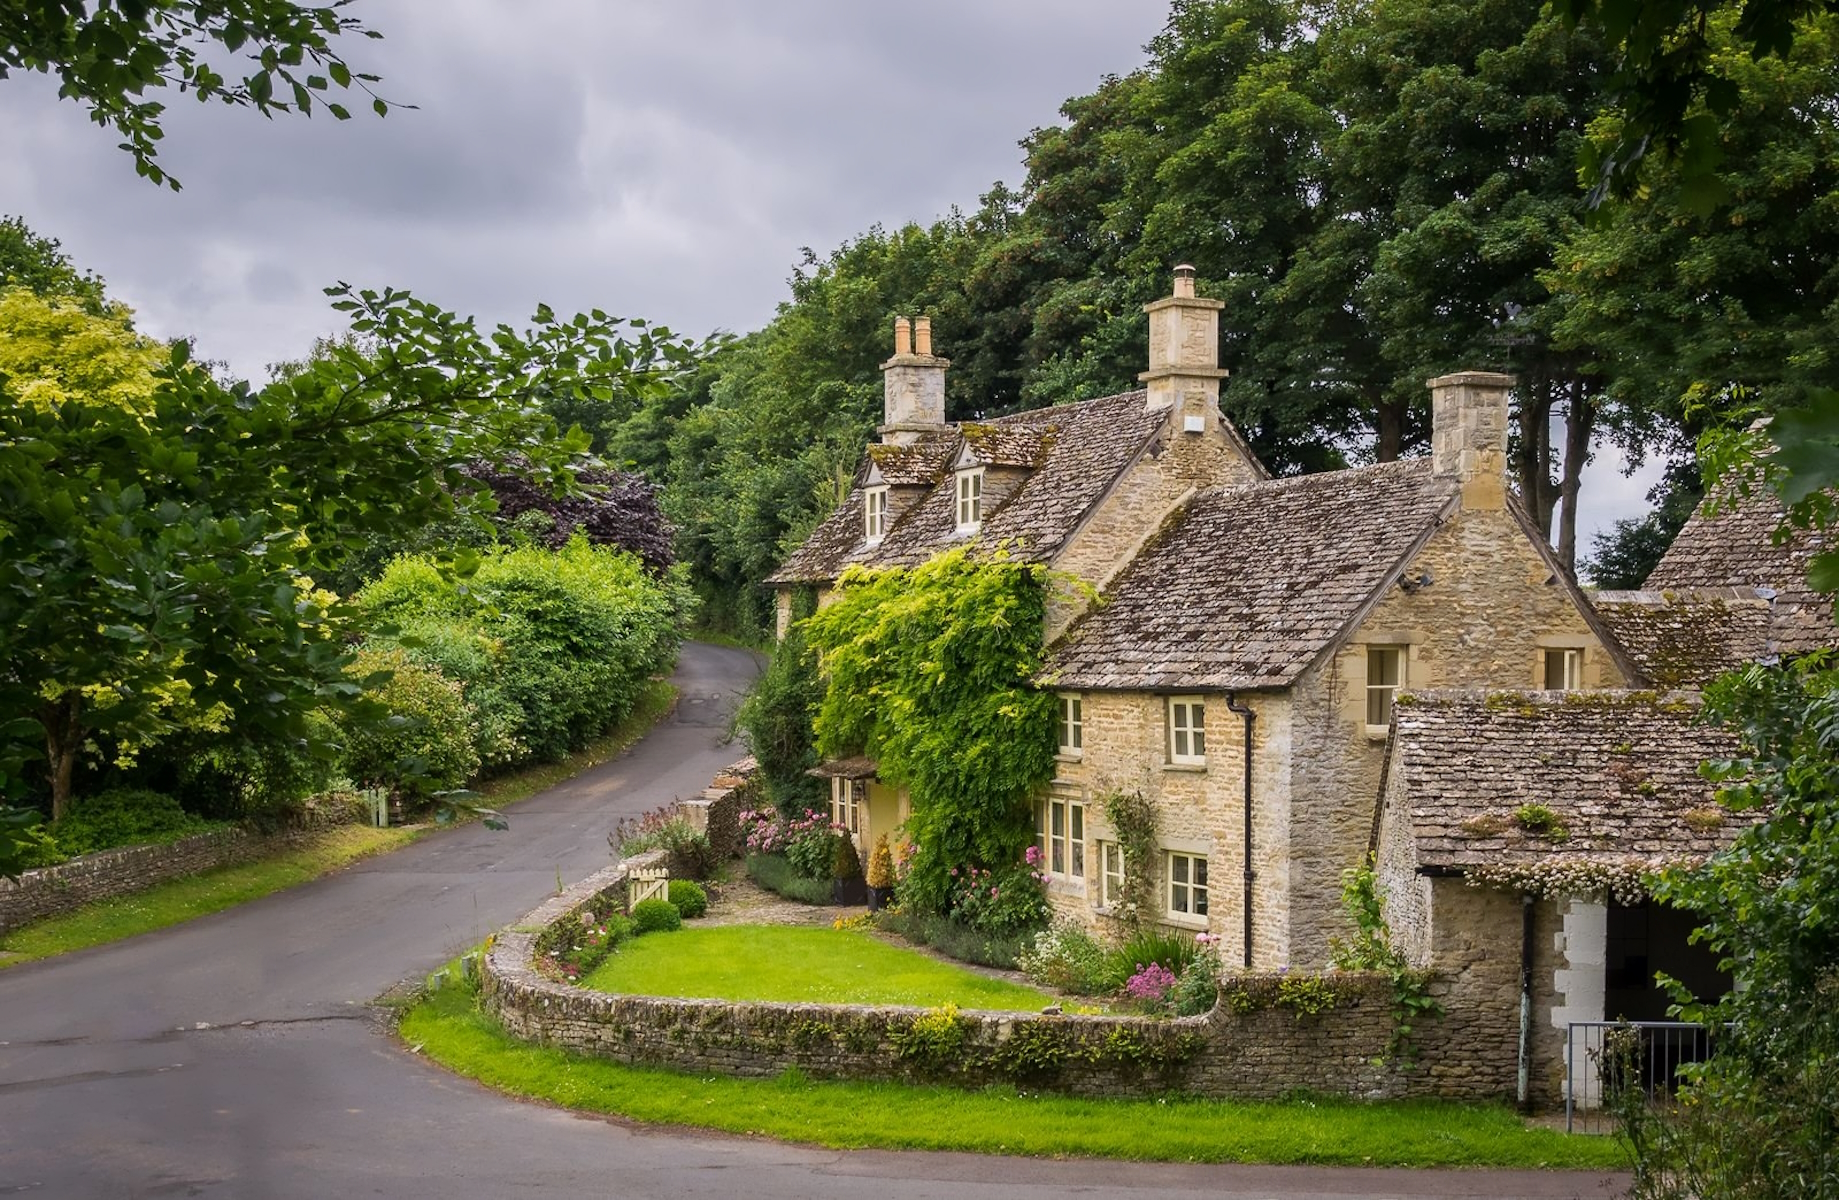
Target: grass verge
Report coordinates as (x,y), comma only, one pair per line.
(448,1027)
(199,895)
(654,704)
(799,963)
(213,891)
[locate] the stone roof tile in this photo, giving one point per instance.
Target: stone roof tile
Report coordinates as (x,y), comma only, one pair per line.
(1245,585)
(1075,452)
(1687,638)
(1736,549)
(1618,770)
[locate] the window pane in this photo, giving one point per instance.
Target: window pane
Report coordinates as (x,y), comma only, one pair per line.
(1200,742)
(1178,868)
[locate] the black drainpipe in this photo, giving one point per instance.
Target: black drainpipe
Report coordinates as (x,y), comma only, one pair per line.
(1233,705)
(1526,998)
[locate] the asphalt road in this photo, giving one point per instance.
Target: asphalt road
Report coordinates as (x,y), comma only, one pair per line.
(235,1057)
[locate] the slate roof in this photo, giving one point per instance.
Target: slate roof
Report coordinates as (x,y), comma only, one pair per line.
(1246,585)
(1074,451)
(1687,638)
(1619,770)
(1735,549)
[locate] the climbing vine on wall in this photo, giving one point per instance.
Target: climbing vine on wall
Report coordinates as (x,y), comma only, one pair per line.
(1133,822)
(927,671)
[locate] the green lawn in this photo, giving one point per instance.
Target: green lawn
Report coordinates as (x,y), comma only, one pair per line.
(448,1027)
(798,963)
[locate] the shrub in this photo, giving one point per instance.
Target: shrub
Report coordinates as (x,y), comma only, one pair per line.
(121,817)
(424,743)
(552,646)
(881,865)
(666,829)
(807,842)
(1198,989)
(655,916)
(1008,903)
(1066,958)
(953,938)
(688,898)
(776,717)
(845,863)
(1171,951)
(775,873)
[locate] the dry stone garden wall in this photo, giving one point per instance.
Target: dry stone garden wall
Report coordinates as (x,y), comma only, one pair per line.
(1256,1044)
(54,891)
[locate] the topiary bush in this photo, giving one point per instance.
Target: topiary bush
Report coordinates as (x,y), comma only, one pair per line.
(423,741)
(688,898)
(122,817)
(655,916)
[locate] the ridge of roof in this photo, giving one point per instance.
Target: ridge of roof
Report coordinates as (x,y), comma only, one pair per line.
(1307,553)
(1686,637)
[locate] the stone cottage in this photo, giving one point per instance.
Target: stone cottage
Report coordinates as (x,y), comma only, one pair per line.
(1240,666)
(1078,487)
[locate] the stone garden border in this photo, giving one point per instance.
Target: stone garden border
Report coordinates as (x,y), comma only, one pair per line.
(1258,1047)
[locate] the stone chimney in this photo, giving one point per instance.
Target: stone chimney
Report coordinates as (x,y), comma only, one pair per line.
(1468,435)
(1184,356)
(913,385)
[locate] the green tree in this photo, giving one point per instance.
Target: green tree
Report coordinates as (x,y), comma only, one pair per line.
(107,55)
(1675,86)
(40,265)
(160,555)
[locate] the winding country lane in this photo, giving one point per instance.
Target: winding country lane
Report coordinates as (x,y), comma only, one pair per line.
(235,1057)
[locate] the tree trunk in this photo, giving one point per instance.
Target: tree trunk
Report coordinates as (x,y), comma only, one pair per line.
(1390,418)
(1579,423)
(62,719)
(1533,456)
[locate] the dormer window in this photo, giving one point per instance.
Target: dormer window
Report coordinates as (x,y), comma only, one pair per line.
(875,514)
(970,499)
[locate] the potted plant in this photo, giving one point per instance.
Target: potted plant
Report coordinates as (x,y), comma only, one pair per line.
(880,875)
(846,873)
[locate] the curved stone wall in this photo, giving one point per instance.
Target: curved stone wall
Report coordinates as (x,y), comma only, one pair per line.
(1257,1048)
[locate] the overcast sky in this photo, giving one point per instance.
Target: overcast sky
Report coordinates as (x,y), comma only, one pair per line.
(661,159)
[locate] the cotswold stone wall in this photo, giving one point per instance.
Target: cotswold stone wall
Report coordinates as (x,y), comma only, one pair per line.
(1260,1046)
(54,891)
(717,811)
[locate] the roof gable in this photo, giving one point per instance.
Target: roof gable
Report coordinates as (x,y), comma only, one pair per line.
(1736,549)
(1245,586)
(1073,453)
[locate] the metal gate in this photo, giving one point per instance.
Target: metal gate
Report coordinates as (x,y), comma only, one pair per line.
(1603,1055)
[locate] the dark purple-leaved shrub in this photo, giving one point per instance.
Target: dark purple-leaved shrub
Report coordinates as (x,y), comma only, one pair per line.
(617,508)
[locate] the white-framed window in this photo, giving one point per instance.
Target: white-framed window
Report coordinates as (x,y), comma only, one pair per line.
(1564,670)
(1060,833)
(1187,884)
(1110,874)
(1385,674)
(970,499)
(1072,725)
(1187,730)
(875,514)
(846,804)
